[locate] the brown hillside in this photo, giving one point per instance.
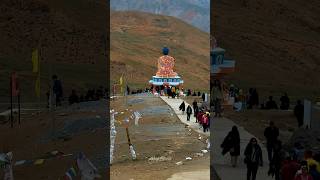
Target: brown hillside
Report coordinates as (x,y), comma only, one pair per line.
(72,46)
(275,44)
(137,40)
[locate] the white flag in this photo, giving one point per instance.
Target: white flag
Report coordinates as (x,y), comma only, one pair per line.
(137,116)
(7,159)
(113,133)
(132,152)
(87,170)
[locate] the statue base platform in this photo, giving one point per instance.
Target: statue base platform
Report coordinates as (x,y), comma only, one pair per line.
(169,81)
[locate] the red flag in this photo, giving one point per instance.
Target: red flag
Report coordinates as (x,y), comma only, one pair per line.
(14,84)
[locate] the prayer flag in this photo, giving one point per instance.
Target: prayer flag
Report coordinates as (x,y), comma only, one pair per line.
(121,81)
(39,161)
(121,84)
(14,84)
(87,170)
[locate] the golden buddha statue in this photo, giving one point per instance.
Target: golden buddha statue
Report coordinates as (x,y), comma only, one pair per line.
(166,65)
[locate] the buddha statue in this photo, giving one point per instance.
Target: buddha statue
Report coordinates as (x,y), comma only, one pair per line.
(166,65)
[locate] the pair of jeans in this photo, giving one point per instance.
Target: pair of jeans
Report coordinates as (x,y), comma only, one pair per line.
(252,169)
(188,117)
(270,149)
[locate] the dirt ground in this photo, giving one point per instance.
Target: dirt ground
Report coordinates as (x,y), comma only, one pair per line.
(79,128)
(255,121)
(159,134)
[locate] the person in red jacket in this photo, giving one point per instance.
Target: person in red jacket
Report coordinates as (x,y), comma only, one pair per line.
(304,175)
(289,169)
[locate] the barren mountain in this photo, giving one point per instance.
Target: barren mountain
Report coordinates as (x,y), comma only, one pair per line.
(137,40)
(194,12)
(275,44)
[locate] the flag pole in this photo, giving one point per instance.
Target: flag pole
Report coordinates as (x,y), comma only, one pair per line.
(128,136)
(125,88)
(39,62)
(11,113)
(19,106)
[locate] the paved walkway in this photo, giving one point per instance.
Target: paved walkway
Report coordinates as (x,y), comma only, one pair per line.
(174,104)
(192,175)
(221,127)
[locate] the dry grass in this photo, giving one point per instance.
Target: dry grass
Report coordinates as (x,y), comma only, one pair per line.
(274,42)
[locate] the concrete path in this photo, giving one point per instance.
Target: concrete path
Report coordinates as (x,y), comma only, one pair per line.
(221,127)
(192,175)
(174,104)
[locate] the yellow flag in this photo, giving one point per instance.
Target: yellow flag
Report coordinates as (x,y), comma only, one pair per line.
(121,82)
(37,86)
(35,61)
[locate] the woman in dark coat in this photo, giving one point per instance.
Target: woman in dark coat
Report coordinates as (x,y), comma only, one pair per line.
(231,144)
(253,158)
(189,112)
(182,107)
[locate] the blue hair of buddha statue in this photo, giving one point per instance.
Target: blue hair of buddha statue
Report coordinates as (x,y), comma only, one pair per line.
(165,51)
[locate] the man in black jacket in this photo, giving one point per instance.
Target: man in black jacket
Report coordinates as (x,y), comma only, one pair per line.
(299,112)
(253,158)
(189,112)
(271,133)
(271,104)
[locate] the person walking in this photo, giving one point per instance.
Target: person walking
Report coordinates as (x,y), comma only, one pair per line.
(303,174)
(271,104)
(194,103)
(182,107)
(299,112)
(57,89)
(253,158)
(231,144)
(271,133)
(277,158)
(289,168)
(217,97)
(189,112)
(203,97)
(285,102)
(177,93)
(205,123)
(169,92)
(196,112)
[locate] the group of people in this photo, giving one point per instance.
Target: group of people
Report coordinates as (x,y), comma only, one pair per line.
(252,100)
(57,90)
(176,92)
(252,154)
(295,164)
(271,104)
(201,114)
(91,95)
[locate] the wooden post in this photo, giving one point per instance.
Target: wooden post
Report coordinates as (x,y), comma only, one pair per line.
(19,106)
(113,90)
(11,99)
(128,136)
(39,62)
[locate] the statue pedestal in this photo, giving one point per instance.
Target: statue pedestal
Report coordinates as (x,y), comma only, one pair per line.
(162,81)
